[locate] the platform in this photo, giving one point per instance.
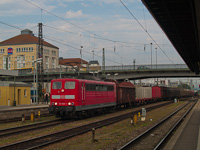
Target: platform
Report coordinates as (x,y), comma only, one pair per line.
(187,136)
(8,108)
(12,112)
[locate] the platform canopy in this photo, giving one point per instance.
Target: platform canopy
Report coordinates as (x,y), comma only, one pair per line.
(4,72)
(180,20)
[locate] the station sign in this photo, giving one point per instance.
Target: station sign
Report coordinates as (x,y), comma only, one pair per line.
(10,51)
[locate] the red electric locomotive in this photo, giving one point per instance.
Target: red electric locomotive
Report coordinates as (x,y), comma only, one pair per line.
(70,97)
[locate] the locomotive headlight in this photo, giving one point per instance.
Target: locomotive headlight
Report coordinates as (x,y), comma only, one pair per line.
(69,103)
(55,103)
(52,103)
(72,103)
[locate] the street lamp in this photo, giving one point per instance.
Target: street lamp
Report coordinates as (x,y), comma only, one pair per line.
(14,102)
(60,70)
(92,72)
(39,60)
(116,74)
(95,72)
(107,75)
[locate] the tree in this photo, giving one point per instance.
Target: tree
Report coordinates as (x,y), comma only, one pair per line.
(184,86)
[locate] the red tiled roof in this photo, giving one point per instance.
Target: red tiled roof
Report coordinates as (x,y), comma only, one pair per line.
(72,61)
(126,84)
(24,39)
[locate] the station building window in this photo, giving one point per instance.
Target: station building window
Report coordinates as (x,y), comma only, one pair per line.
(30,49)
(1,50)
(25,92)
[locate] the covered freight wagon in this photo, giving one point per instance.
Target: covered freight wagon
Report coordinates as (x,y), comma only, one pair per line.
(125,94)
(143,94)
(157,92)
(174,92)
(169,92)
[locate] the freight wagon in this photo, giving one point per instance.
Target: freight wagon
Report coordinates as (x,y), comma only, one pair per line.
(143,94)
(125,94)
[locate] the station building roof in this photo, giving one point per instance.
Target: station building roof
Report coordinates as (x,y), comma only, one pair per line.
(72,61)
(16,84)
(26,37)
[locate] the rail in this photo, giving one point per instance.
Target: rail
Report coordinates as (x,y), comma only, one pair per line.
(131,143)
(41,141)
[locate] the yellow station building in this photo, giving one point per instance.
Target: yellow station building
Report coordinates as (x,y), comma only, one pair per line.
(19,91)
(18,52)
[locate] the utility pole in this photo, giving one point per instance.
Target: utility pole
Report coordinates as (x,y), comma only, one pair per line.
(151,55)
(156,57)
(93,54)
(103,63)
(134,64)
(40,55)
(81,56)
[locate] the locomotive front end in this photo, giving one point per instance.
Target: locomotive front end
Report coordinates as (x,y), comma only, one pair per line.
(63,97)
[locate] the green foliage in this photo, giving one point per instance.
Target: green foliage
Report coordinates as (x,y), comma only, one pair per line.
(184,86)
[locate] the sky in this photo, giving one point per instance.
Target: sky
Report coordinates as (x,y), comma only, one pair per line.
(94,25)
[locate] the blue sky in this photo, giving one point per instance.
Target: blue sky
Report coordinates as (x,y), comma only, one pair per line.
(85,23)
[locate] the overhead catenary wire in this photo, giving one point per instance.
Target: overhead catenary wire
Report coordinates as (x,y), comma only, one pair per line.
(99,49)
(96,35)
(78,44)
(78,49)
(10,25)
(58,17)
(71,42)
(88,36)
(146,31)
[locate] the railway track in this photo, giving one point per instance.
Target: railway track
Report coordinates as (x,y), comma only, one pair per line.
(48,139)
(148,135)
(26,128)
(20,118)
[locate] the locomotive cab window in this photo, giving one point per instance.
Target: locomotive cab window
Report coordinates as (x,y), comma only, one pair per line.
(69,85)
(57,85)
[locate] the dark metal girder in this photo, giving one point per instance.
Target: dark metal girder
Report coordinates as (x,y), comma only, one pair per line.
(180,20)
